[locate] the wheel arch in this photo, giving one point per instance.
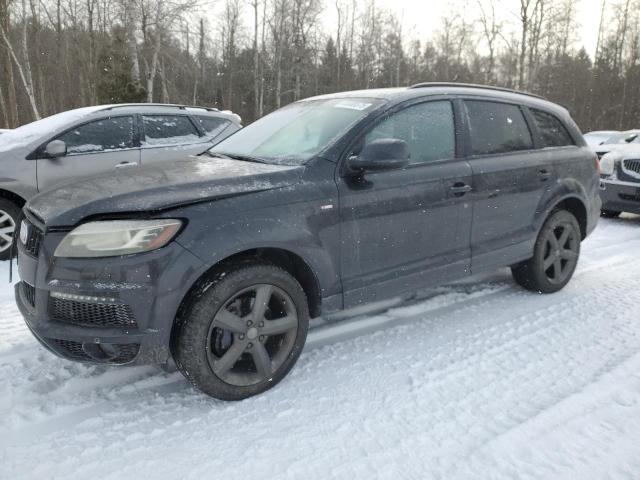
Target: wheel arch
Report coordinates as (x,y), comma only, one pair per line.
(289,261)
(572,204)
(13,197)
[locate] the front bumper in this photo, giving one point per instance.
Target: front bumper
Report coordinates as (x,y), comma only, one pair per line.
(116,310)
(620,196)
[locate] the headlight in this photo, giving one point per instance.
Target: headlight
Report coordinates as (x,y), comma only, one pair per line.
(117,237)
(608,163)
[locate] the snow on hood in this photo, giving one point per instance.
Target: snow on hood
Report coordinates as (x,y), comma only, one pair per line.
(24,135)
(158,188)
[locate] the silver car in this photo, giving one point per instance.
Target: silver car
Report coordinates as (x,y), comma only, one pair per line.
(92,140)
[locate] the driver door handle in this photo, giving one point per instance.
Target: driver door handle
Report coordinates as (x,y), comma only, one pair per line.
(544,174)
(460,188)
(127,164)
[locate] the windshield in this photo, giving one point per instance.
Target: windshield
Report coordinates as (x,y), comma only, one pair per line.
(297,132)
(25,134)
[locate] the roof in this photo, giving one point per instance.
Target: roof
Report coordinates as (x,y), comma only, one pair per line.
(162,105)
(439,88)
(168,108)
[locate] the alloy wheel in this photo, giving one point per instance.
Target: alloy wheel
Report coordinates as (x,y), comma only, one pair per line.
(252,335)
(7,231)
(560,254)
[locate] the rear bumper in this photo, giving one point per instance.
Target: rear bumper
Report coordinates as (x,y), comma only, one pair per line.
(620,196)
(90,326)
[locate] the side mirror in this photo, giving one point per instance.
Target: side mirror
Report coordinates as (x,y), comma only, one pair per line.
(55,149)
(382,154)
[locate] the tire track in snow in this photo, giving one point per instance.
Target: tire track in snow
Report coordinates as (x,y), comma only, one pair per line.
(324,336)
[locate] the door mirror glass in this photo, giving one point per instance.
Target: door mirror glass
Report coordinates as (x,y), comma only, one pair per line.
(55,149)
(381,154)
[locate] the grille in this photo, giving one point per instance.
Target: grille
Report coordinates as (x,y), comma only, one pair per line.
(632,167)
(109,353)
(91,314)
(34,239)
(28,293)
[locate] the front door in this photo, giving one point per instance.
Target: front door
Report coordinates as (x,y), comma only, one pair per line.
(92,148)
(407,229)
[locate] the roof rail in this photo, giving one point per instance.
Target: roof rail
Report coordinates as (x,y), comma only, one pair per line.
(182,107)
(472,85)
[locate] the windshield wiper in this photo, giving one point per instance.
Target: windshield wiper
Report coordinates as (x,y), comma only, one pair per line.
(233,156)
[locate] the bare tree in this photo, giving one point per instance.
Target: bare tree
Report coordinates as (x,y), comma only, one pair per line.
(24,66)
(491,28)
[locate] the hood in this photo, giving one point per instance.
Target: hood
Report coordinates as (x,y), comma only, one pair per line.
(617,147)
(158,188)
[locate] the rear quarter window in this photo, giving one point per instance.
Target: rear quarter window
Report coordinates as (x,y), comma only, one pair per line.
(552,132)
(212,126)
(497,128)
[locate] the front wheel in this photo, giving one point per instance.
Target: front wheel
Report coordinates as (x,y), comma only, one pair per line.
(242,334)
(555,255)
(9,215)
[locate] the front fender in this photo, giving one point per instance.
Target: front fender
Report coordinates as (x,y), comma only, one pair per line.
(218,230)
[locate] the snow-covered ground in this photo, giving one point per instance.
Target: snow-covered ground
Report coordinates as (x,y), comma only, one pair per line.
(477,380)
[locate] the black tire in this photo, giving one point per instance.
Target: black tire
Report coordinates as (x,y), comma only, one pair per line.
(555,257)
(215,328)
(610,213)
(9,219)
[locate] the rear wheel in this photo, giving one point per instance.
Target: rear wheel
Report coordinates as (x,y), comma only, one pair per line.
(9,215)
(241,335)
(610,213)
(555,256)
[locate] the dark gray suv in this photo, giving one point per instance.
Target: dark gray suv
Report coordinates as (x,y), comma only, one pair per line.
(323,205)
(91,140)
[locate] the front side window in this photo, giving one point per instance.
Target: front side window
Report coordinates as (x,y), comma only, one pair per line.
(169,130)
(428,129)
(295,133)
(552,132)
(497,128)
(212,126)
(114,133)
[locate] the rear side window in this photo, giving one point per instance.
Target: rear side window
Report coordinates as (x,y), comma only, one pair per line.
(169,130)
(497,128)
(102,135)
(212,126)
(427,128)
(552,132)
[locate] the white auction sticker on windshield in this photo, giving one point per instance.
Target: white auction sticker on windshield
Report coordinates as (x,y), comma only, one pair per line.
(352,105)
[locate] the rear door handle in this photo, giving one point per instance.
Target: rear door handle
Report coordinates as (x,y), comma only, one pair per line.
(127,164)
(460,188)
(544,174)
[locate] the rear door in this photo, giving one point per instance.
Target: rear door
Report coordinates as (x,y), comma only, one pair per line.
(408,228)
(509,179)
(95,147)
(170,137)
